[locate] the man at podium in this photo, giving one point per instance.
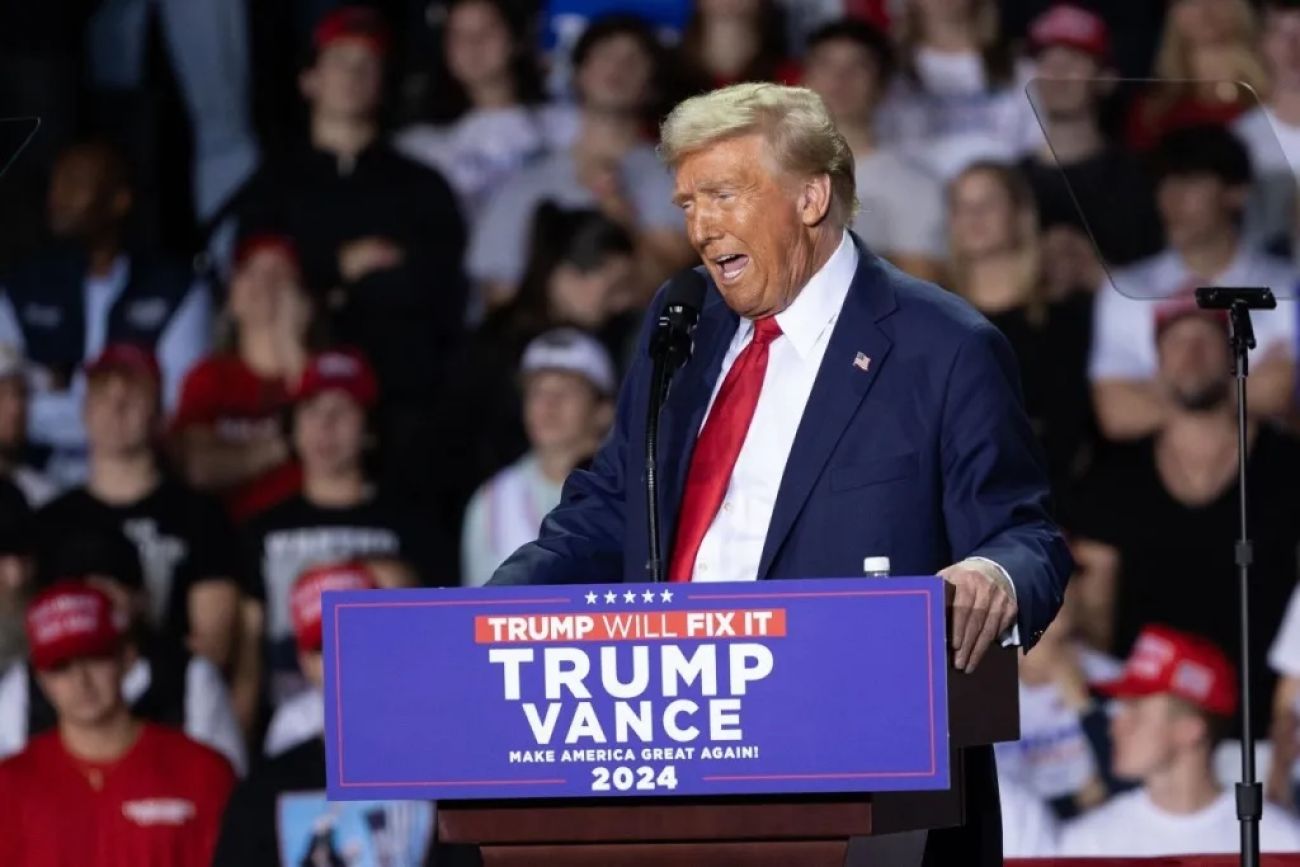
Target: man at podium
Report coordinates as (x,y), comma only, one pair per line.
(833,409)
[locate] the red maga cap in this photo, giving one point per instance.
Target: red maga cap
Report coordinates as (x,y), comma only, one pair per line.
(71,620)
(353,22)
(305,598)
(344,369)
(1165,660)
(1073,27)
(126,358)
(259,241)
(1182,306)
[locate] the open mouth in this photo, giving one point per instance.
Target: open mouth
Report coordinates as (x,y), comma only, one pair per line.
(731,266)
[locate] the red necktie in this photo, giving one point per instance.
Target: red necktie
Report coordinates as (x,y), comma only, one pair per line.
(718,447)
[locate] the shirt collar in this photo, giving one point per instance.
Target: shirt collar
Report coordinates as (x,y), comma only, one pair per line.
(818,304)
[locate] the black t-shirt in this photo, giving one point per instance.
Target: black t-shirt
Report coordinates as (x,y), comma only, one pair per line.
(182,538)
(287,539)
(1176,561)
(405,318)
(1115,197)
(1052,348)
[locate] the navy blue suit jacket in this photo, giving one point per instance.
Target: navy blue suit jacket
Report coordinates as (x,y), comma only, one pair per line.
(926,456)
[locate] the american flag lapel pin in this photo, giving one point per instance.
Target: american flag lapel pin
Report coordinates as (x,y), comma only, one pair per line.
(861,362)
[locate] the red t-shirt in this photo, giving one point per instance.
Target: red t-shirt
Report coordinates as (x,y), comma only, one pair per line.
(225,394)
(159,805)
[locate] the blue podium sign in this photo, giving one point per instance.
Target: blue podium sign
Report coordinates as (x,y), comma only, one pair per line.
(636,689)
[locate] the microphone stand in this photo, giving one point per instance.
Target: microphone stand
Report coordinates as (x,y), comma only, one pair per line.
(1241,336)
(659,378)
(670,348)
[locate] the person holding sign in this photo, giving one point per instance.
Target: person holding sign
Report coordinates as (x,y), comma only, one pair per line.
(834,409)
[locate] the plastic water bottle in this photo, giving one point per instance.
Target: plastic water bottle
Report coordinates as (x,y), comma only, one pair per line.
(875,567)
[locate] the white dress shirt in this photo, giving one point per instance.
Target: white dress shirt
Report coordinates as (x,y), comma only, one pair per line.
(733,545)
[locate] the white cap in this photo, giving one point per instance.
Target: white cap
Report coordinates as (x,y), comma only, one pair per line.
(875,566)
(571,351)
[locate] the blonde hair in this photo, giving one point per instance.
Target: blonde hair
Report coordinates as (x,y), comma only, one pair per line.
(793,120)
(1174,62)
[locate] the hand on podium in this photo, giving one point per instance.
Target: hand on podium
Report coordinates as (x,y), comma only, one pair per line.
(983,608)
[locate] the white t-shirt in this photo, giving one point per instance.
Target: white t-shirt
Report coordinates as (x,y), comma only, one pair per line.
(1029,829)
(504,514)
(482,149)
(948,117)
(1132,825)
(1274,148)
(498,248)
(1124,342)
(1053,757)
(902,206)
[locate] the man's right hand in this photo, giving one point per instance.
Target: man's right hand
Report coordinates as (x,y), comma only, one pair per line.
(366,255)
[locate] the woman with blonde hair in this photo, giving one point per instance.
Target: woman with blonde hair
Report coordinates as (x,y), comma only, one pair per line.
(960,96)
(996,264)
(1206,48)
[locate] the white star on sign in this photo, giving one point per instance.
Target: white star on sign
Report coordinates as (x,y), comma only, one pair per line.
(591,598)
(648,596)
(666,596)
(610,597)
(629,596)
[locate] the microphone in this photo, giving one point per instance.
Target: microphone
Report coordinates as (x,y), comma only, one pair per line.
(670,344)
(670,348)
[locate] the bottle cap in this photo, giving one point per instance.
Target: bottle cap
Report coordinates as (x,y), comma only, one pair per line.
(875,565)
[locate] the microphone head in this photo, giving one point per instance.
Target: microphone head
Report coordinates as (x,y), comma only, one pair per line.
(685,290)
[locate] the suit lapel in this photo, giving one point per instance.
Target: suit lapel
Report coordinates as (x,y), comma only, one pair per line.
(838,391)
(683,411)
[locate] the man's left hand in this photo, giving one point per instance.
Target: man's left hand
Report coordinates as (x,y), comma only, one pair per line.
(983,608)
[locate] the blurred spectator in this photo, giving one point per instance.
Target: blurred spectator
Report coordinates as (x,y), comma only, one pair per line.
(611,166)
(17,569)
(229,427)
(1063,755)
(1083,184)
(1284,659)
(184,540)
(170,82)
(730,41)
(338,515)
(1176,696)
(163,683)
(1135,27)
(1155,519)
(380,236)
(89,290)
(850,65)
(105,788)
(960,95)
(302,718)
(568,387)
(15,455)
(1207,53)
(1272,131)
(564,21)
(279,816)
(1203,175)
(579,274)
(997,265)
(489,119)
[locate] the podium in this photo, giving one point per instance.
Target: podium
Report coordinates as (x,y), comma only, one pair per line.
(753,831)
(793,827)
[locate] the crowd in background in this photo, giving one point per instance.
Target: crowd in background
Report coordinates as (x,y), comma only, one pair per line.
(310,295)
